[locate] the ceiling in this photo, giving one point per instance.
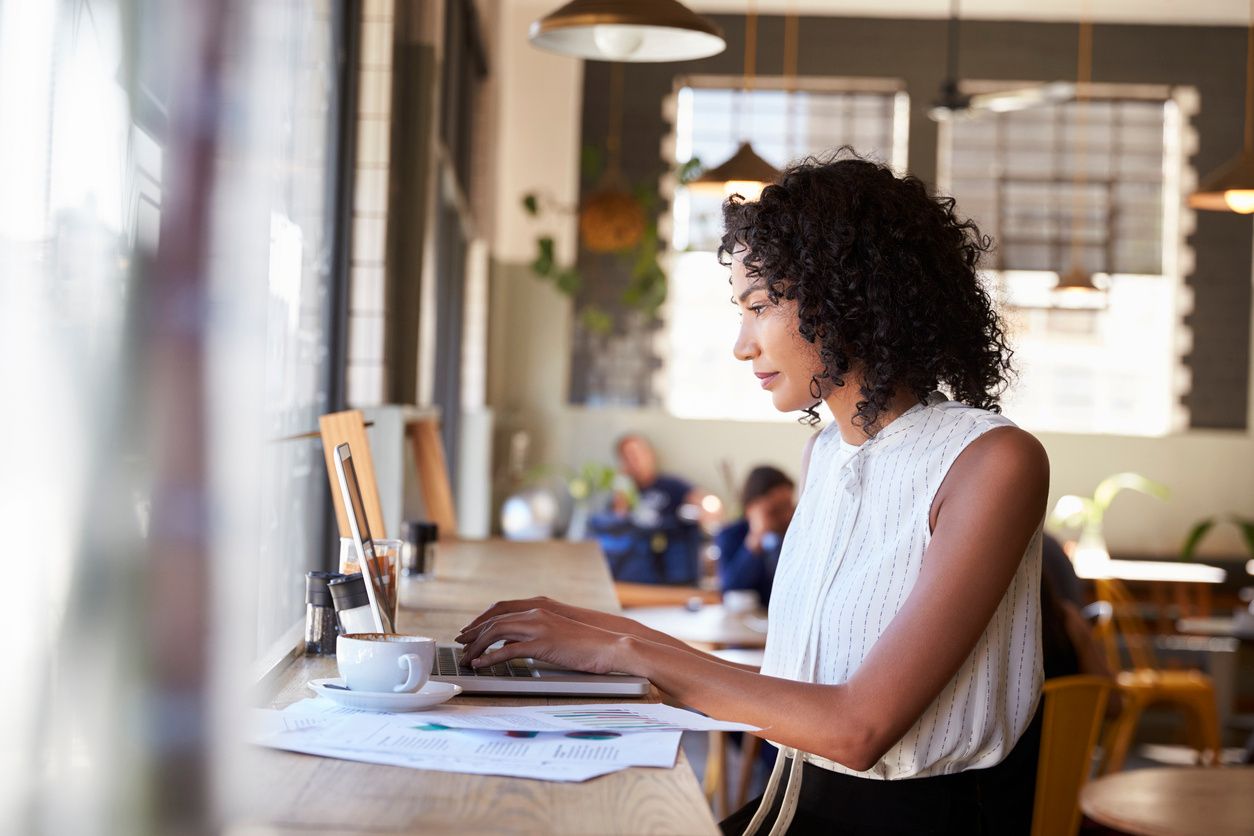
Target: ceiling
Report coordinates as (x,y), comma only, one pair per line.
(1177,12)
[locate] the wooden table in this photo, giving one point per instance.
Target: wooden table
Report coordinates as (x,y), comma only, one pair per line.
(300,793)
(711,626)
(1189,801)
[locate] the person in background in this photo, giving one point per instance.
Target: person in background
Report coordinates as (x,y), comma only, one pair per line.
(748,549)
(657,538)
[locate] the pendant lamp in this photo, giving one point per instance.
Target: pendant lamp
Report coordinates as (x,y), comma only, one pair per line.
(951,103)
(1231,188)
(745,172)
(1075,288)
(628,30)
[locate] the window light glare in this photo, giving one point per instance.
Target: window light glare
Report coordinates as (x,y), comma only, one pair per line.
(748,189)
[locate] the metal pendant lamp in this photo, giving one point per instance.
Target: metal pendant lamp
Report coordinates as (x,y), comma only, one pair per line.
(1231,188)
(628,30)
(1075,287)
(745,172)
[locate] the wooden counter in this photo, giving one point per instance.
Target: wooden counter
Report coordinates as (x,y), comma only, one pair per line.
(300,793)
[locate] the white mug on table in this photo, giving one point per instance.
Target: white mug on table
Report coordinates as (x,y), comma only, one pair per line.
(384,661)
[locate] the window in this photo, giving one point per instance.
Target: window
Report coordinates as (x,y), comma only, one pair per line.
(703,379)
(294,50)
(1094,184)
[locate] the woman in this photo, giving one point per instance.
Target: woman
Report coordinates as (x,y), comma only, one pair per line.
(902,672)
(748,549)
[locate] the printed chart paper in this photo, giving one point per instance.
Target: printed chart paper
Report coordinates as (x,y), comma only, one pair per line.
(624,717)
(415,740)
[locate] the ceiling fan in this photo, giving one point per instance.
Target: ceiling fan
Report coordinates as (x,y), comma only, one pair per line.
(952,103)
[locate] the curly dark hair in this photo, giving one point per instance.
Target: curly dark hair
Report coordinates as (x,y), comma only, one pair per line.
(885,276)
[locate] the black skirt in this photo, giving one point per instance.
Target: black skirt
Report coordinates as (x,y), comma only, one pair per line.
(995,801)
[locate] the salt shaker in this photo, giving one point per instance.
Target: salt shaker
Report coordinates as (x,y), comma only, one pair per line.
(319,613)
(352,604)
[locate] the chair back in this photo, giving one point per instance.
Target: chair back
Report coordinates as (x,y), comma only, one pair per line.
(349,427)
(1121,621)
(1074,708)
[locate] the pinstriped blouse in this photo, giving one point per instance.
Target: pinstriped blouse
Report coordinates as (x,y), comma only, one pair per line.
(850,559)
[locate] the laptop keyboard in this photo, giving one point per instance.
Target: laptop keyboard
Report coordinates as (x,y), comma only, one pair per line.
(448,662)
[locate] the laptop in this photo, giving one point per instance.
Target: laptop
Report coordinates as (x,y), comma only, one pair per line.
(518,676)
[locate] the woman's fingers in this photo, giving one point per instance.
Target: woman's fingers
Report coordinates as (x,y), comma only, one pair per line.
(512,650)
(504,608)
(516,626)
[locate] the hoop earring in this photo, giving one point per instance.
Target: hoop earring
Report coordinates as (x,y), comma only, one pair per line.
(816,391)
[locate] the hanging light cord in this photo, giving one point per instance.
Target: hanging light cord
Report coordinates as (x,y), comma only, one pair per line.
(746,84)
(614,133)
(791,36)
(1249,83)
(952,48)
(1083,77)
(791,26)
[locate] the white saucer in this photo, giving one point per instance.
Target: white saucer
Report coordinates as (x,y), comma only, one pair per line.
(433,693)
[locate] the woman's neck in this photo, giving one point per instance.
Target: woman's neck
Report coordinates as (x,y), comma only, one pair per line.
(843,402)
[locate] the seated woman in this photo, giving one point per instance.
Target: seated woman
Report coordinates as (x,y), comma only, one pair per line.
(748,549)
(903,668)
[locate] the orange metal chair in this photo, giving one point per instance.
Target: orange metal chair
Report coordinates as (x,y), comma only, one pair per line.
(1145,683)
(1074,707)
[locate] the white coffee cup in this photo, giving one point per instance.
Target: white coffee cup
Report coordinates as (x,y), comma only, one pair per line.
(384,661)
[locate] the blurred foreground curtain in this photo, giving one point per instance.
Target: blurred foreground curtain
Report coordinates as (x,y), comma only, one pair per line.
(166,307)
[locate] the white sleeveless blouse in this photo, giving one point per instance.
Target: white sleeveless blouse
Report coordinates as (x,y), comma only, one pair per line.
(851,557)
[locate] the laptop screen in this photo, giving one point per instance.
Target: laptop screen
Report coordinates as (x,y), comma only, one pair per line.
(355,510)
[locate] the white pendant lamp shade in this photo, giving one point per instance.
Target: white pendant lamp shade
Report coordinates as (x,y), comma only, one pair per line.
(628,30)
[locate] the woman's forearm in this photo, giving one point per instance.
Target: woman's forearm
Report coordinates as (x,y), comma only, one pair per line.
(637,630)
(797,714)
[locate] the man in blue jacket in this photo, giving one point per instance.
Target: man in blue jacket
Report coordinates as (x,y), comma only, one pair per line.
(749,548)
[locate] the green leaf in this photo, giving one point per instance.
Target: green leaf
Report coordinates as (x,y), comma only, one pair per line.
(531,204)
(689,171)
(568,281)
(544,261)
(1247,534)
(1195,536)
(1109,487)
(596,320)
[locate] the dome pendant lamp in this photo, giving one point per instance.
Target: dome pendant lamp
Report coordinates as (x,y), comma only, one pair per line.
(628,30)
(745,172)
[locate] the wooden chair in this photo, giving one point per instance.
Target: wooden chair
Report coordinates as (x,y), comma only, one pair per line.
(432,467)
(349,427)
(1074,706)
(1145,683)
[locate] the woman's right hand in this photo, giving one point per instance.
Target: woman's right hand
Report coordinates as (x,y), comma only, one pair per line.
(593,618)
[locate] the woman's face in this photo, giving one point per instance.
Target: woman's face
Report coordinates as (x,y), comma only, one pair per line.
(783,361)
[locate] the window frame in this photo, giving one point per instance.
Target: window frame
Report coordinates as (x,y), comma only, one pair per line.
(1177,257)
(898,160)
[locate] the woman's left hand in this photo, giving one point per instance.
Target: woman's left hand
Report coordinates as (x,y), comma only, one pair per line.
(545,635)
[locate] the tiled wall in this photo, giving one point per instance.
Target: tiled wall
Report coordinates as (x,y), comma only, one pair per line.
(367,371)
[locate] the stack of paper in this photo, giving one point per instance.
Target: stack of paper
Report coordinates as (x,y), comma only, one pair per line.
(552,743)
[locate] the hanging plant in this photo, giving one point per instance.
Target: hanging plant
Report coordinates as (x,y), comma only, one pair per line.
(615,222)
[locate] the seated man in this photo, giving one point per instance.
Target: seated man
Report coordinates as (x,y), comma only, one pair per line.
(749,548)
(657,538)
